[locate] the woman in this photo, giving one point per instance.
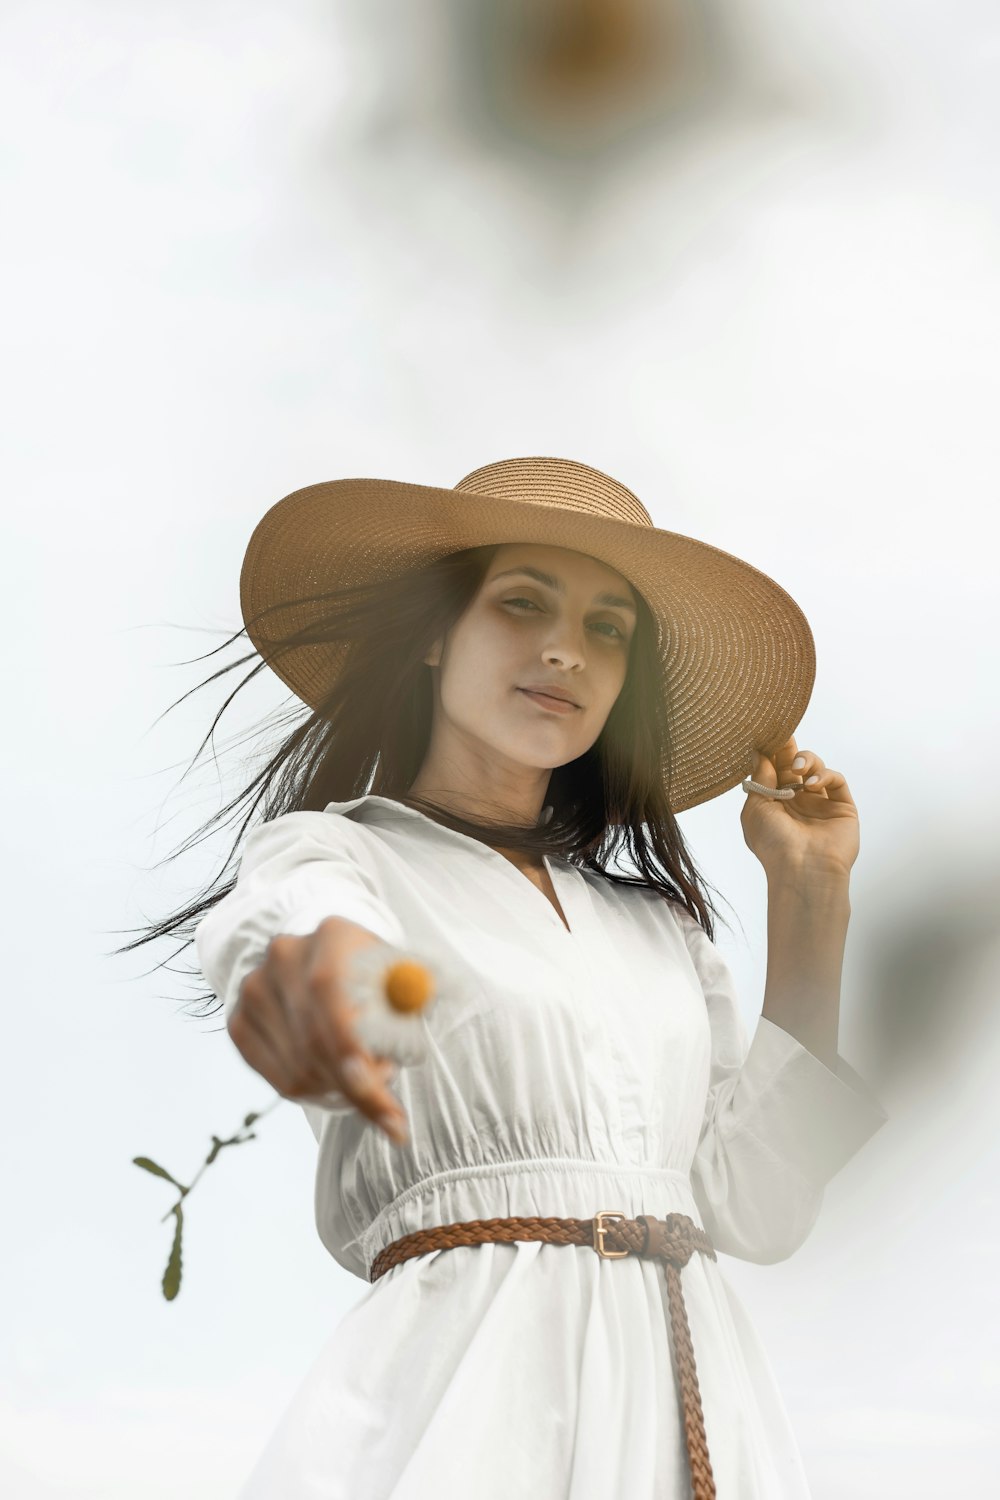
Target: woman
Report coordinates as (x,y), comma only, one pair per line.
(584,1073)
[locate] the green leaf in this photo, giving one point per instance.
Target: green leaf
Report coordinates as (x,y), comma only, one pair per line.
(151,1166)
(172,1275)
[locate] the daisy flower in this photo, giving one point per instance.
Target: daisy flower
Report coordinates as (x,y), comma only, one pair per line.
(392,989)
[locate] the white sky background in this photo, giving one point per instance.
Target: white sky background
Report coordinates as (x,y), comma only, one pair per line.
(249,247)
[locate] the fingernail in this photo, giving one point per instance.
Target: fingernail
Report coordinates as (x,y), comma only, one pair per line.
(798,763)
(357,1074)
(394,1127)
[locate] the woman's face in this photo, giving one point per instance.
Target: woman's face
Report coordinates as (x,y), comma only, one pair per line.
(522,631)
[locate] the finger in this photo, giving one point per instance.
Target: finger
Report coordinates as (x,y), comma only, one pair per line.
(261,1035)
(796,775)
(834,785)
(784,755)
(365,1082)
(330,966)
(315,1021)
(816,786)
(391,1118)
(363,1078)
(784,774)
(762,770)
(388,1068)
(355,1068)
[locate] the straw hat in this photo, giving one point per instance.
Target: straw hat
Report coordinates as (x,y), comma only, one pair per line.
(737,655)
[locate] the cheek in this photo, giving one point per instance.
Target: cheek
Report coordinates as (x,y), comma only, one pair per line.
(614,669)
(479,675)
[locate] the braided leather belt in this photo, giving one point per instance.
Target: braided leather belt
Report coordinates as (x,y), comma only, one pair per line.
(672,1240)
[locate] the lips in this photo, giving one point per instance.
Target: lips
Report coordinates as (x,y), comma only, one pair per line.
(549,692)
(550,701)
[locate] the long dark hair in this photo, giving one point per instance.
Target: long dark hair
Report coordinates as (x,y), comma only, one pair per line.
(370,735)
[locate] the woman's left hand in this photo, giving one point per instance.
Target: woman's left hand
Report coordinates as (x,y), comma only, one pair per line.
(816,831)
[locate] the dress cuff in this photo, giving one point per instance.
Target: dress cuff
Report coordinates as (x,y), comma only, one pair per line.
(813,1116)
(306,915)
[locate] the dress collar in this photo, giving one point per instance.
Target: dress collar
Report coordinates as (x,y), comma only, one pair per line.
(388,806)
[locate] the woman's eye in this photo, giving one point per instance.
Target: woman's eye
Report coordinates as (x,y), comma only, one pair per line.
(620,633)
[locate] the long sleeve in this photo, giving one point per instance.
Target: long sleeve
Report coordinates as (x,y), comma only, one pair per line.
(778,1124)
(295,871)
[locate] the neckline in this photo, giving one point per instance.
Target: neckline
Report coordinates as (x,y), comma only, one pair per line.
(562,920)
(553,863)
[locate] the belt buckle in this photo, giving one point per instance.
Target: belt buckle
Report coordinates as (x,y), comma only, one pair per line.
(600,1229)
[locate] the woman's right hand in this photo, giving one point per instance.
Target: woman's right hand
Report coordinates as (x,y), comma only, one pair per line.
(293,1024)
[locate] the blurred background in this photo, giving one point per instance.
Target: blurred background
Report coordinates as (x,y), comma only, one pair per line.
(744,259)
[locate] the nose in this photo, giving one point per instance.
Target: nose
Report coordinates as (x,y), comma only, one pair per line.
(565,651)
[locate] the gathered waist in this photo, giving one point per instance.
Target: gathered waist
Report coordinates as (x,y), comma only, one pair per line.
(562,1187)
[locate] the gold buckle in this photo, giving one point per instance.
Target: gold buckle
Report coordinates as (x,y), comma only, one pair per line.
(600,1229)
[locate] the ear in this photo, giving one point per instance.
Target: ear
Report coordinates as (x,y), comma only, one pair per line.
(433,657)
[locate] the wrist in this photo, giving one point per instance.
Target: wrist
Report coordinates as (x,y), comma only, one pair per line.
(810,881)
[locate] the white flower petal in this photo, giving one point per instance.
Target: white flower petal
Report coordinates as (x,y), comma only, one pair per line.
(366,987)
(390,1035)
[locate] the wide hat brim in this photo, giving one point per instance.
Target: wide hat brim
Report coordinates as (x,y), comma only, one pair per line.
(737,654)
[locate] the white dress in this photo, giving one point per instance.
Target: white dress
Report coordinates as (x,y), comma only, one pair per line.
(601,1066)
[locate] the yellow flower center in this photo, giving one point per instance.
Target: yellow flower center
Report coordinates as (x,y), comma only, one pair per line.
(408,985)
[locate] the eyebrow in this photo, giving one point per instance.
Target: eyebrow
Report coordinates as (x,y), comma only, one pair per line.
(615,600)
